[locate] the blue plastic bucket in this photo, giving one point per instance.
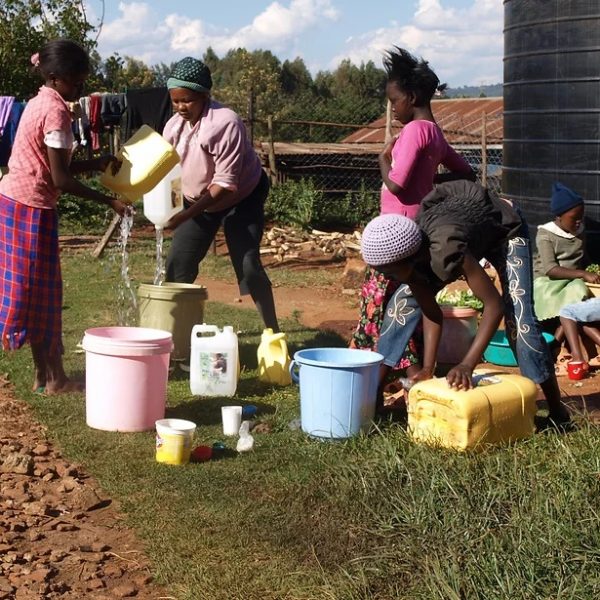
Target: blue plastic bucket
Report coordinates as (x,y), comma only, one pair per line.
(338,390)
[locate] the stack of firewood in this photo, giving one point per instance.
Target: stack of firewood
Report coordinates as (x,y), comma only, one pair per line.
(286,243)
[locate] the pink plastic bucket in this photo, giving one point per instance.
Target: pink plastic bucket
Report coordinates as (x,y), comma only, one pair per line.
(127,369)
(458,333)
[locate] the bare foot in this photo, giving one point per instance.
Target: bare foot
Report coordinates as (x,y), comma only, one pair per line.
(38,386)
(65,387)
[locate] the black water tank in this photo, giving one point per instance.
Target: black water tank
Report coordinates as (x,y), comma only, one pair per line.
(551,103)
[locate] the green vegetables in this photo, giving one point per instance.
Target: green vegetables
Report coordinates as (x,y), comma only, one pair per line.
(593,268)
(462,299)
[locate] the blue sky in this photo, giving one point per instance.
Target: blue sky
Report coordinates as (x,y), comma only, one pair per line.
(462,39)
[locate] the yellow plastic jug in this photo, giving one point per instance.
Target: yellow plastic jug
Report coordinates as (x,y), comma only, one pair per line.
(500,408)
(146,159)
(273,358)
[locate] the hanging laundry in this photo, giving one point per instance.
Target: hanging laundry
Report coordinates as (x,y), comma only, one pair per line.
(83,123)
(147,106)
(6,104)
(95,120)
(113,107)
(10,131)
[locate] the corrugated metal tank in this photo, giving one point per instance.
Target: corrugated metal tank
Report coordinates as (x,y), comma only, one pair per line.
(551,103)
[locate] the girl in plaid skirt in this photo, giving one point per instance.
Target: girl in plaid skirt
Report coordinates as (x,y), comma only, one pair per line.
(39,170)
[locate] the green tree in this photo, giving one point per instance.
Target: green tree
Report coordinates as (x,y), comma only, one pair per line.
(162,72)
(211,60)
(25,26)
(295,77)
(241,74)
(112,72)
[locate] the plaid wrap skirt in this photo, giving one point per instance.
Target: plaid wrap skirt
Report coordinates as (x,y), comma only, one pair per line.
(30,276)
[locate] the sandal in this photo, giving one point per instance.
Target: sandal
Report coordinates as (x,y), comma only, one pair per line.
(594,363)
(560,368)
(395,397)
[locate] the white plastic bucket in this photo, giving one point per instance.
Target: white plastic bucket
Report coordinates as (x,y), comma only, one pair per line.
(174,438)
(127,369)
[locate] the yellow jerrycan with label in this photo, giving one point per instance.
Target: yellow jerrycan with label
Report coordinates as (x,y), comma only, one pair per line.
(273,358)
(499,408)
(146,158)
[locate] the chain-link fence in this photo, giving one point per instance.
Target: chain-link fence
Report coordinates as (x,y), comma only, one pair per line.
(337,145)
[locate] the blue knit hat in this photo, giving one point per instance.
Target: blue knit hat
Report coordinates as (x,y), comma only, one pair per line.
(192,74)
(563,199)
(388,239)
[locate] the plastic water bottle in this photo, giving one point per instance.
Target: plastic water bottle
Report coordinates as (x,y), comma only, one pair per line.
(214,363)
(273,358)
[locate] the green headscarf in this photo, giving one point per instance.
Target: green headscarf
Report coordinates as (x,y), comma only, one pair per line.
(192,74)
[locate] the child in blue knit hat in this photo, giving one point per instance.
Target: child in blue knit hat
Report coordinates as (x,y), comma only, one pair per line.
(459,224)
(559,268)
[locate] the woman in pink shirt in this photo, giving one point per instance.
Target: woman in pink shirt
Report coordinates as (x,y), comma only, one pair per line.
(223,183)
(39,169)
(408,165)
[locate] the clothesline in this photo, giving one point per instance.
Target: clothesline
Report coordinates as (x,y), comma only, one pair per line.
(94,115)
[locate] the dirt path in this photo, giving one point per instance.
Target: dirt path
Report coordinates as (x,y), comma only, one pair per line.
(60,536)
(320,308)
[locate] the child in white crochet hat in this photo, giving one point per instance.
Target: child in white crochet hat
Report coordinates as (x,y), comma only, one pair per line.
(459,224)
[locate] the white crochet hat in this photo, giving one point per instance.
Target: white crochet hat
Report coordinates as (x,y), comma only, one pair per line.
(389,238)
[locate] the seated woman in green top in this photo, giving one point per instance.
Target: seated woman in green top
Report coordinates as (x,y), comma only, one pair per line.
(559,269)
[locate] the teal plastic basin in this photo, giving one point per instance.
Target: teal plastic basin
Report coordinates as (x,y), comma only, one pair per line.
(499,352)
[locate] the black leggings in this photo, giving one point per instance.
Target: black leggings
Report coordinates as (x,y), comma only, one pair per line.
(243,225)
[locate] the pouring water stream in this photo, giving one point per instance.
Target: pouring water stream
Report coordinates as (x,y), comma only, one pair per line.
(126,298)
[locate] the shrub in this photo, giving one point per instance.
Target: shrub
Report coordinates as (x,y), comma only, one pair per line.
(78,215)
(300,203)
(352,210)
(293,203)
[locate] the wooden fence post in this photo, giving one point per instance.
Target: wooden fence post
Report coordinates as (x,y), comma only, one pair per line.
(272,163)
(99,249)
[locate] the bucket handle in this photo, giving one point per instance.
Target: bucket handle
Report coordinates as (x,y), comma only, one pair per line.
(294,371)
(204,328)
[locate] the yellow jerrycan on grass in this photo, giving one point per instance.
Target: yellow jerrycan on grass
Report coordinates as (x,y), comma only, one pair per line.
(273,358)
(500,408)
(146,158)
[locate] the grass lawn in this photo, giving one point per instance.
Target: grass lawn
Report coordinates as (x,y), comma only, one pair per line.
(372,517)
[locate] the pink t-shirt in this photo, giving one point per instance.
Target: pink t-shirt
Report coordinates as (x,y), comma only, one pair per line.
(216,150)
(29,180)
(420,148)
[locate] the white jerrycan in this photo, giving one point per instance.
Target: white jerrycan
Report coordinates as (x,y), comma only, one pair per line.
(165,199)
(214,362)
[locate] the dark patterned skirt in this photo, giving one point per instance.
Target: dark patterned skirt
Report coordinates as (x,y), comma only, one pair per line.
(30,275)
(375,294)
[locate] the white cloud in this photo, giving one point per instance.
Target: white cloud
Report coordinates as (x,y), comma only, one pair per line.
(464,46)
(138,31)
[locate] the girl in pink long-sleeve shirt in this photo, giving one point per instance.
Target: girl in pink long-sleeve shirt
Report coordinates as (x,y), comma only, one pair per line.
(408,166)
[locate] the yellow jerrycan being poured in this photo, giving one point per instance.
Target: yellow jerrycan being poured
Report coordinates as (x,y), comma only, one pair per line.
(273,358)
(146,158)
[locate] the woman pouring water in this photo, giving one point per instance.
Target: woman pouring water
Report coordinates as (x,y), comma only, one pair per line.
(223,183)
